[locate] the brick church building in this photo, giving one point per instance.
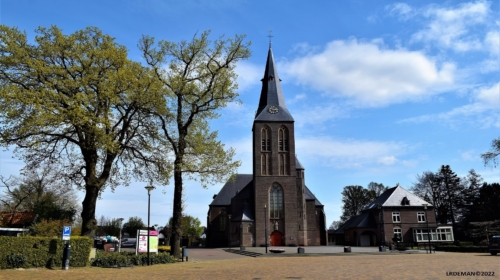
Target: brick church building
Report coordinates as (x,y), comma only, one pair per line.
(273,201)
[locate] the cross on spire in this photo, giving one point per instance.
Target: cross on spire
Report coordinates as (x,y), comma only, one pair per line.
(270,36)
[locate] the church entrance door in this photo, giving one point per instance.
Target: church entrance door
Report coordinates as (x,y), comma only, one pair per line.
(276,238)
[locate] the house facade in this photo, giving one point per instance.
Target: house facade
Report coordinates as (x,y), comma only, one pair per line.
(273,205)
(395,213)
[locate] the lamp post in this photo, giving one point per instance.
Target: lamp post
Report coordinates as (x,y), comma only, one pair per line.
(265,224)
(120,236)
(428,231)
(149,188)
(229,230)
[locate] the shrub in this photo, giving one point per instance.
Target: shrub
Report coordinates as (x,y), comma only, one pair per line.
(15,261)
(29,251)
(115,259)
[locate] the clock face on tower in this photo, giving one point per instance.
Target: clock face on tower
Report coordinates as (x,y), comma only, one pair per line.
(273,110)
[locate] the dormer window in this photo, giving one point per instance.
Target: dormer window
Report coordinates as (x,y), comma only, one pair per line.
(405,201)
(271,78)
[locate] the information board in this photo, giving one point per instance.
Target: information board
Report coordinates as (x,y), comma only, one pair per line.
(142,241)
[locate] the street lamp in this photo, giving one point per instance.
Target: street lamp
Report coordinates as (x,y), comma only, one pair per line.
(428,231)
(229,230)
(265,224)
(149,188)
(120,220)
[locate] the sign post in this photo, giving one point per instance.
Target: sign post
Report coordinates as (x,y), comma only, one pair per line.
(66,233)
(142,241)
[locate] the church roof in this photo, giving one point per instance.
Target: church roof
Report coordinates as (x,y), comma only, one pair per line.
(394,197)
(311,196)
(298,165)
(230,189)
(271,95)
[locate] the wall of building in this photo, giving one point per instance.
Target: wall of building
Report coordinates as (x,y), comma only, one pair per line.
(288,225)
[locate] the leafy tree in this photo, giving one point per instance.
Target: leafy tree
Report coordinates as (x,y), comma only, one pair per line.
(132,225)
(190,228)
(448,182)
(76,103)
(471,185)
(355,199)
(491,157)
(427,188)
(198,79)
(377,188)
(443,190)
(39,191)
(335,225)
(48,228)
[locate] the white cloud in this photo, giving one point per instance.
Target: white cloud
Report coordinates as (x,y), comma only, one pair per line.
(482,110)
(492,43)
(319,114)
(296,98)
(402,10)
(350,153)
(470,155)
(453,27)
(387,160)
(248,75)
(370,74)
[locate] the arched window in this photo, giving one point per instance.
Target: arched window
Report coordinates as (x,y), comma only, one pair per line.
(283,161)
(283,139)
(276,202)
(283,148)
(265,163)
(265,137)
(265,158)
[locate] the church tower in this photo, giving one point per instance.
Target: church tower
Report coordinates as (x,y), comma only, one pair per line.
(278,195)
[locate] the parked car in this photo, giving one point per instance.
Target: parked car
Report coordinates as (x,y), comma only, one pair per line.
(494,245)
(128,242)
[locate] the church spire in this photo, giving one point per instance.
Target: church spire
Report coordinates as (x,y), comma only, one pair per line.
(272,103)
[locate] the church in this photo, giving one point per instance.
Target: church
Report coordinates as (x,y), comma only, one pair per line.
(273,205)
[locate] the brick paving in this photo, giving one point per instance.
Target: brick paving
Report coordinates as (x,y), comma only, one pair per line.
(217,264)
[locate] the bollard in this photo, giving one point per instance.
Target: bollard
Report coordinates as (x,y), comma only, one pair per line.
(66,253)
(185,253)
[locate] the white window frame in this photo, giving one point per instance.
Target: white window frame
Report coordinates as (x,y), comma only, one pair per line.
(399,232)
(396,217)
(421,217)
(437,235)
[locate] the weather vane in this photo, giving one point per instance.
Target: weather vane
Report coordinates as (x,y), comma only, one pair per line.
(270,36)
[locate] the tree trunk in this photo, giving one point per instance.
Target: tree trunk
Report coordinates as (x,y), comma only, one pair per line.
(89,223)
(177,211)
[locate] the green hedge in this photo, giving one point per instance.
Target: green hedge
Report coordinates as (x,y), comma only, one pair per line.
(123,259)
(468,249)
(30,252)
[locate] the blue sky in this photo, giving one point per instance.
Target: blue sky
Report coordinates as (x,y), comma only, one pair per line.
(380,91)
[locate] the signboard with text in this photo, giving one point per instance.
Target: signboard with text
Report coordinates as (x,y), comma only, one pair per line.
(142,241)
(66,233)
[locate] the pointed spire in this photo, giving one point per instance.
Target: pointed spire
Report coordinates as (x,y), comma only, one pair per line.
(272,105)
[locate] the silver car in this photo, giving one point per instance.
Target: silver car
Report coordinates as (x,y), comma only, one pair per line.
(128,242)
